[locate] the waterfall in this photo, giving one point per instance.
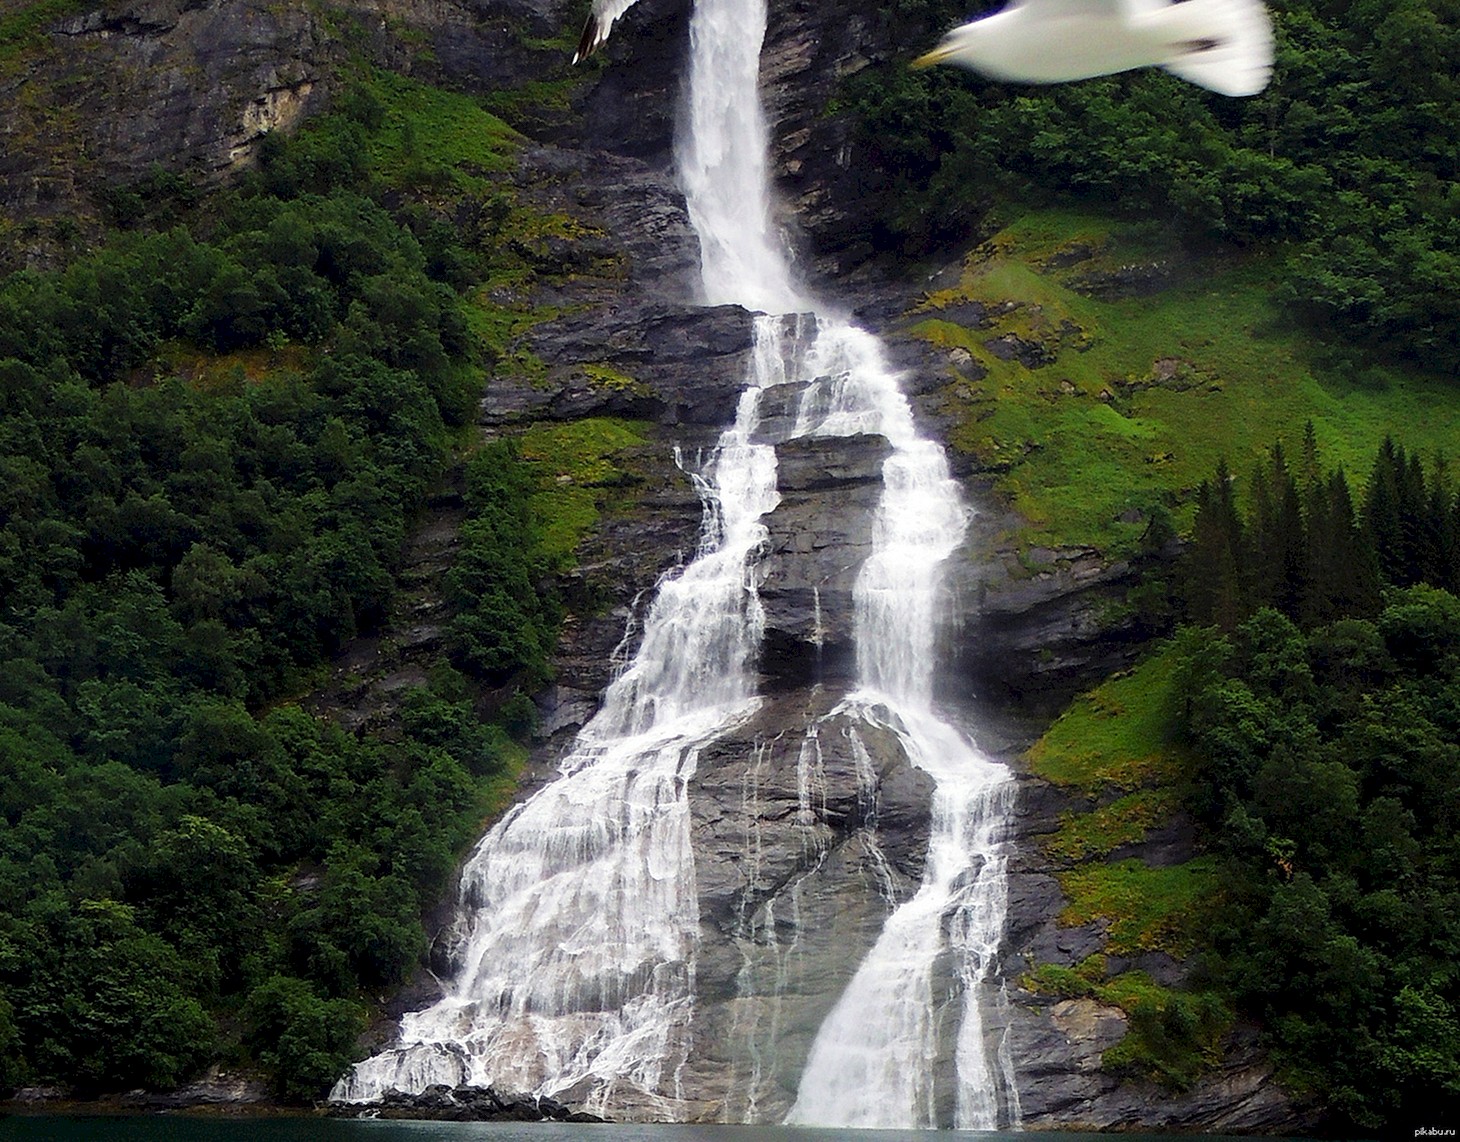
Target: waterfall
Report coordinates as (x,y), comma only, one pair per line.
(876,1060)
(576,977)
(578,962)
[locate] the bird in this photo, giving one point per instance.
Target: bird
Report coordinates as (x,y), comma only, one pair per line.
(1223,45)
(599,23)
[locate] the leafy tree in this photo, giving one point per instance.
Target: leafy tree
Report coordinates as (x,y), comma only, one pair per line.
(190,863)
(1329,775)
(306,1041)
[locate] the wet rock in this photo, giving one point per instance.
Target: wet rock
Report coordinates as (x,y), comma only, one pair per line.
(686,364)
(809,828)
(818,536)
(1030,354)
(1068,255)
(465,1104)
(1046,628)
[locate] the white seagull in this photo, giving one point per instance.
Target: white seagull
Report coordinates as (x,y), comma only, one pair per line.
(1224,45)
(598,25)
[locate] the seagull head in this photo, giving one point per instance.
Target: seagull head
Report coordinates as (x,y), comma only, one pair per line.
(963,45)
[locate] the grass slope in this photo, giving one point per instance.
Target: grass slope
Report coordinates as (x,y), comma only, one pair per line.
(1141,395)
(1115,747)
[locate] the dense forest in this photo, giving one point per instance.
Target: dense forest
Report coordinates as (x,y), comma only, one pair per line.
(1307,546)
(1323,708)
(213,439)
(1347,162)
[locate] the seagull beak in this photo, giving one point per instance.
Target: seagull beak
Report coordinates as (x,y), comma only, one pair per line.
(937,55)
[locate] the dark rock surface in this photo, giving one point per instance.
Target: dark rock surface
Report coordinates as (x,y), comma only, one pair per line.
(809,827)
(818,537)
(466,1104)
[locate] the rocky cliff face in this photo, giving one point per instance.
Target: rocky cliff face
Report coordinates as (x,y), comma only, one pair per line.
(794,885)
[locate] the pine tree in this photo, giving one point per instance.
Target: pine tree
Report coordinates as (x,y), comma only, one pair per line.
(1353,585)
(1383,528)
(1215,591)
(1290,540)
(1413,509)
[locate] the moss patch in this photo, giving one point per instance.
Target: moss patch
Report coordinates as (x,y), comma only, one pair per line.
(426,129)
(1117,738)
(22,24)
(1171,1036)
(1122,822)
(579,467)
(1146,909)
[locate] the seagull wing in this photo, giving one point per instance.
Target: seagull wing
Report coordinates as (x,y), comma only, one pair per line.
(598,25)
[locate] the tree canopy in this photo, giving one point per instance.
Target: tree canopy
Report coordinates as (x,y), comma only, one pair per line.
(1346,163)
(213,438)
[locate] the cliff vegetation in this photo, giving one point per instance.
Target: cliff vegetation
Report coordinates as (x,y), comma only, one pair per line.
(217,432)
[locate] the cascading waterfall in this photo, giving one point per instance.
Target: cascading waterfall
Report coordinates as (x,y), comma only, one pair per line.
(577,967)
(875,1061)
(577,970)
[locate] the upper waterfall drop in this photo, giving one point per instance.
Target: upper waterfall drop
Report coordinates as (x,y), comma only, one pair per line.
(721,150)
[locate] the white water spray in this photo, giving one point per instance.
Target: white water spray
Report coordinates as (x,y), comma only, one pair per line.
(875,1062)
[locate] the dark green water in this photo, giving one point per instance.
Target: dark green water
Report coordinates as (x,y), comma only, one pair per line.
(167,1128)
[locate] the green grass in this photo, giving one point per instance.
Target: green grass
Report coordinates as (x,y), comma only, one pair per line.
(1125,821)
(1171,1036)
(22,23)
(435,128)
(580,470)
(1118,737)
(1116,745)
(1078,442)
(499,790)
(1147,909)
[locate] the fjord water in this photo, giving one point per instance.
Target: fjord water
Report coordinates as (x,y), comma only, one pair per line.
(579,909)
(152,1128)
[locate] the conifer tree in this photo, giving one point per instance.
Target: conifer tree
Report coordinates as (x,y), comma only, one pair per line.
(1352,587)
(1413,510)
(1214,570)
(1383,528)
(1290,540)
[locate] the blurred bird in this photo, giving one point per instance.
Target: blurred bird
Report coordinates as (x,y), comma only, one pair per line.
(1224,45)
(598,25)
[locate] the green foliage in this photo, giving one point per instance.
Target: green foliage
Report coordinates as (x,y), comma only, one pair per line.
(24,22)
(1340,158)
(305,1040)
(109,1006)
(1123,405)
(1302,548)
(211,443)
(1117,738)
(579,468)
(1329,777)
(1147,908)
(1171,1036)
(1123,821)
(503,626)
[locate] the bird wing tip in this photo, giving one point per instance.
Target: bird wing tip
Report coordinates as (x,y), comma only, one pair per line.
(589,41)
